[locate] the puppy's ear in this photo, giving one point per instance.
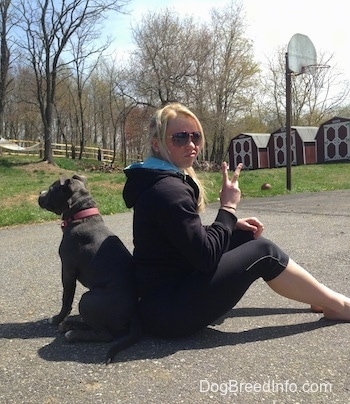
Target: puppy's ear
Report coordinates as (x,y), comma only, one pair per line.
(81,178)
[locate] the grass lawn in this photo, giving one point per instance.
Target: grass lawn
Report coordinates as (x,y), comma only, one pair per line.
(22,178)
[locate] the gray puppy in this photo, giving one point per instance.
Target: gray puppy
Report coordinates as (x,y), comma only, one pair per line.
(91,254)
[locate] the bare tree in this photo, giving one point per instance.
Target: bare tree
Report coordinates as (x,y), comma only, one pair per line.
(6,21)
(321,93)
(99,92)
(231,74)
(120,104)
(49,25)
(316,94)
(210,67)
(163,57)
(84,63)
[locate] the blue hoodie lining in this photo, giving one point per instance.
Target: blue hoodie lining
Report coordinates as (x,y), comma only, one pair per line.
(155,164)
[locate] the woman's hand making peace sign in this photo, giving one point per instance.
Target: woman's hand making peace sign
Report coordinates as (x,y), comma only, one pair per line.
(230,194)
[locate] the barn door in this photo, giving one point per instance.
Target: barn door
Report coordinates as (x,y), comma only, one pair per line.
(280,147)
(337,141)
(243,152)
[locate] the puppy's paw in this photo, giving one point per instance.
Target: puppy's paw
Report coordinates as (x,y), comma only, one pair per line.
(55,320)
(63,327)
(71,336)
(70,325)
(88,336)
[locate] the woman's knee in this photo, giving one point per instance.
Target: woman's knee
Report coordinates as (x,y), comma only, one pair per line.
(267,246)
(273,258)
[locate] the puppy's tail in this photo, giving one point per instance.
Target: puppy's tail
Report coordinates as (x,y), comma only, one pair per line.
(135,332)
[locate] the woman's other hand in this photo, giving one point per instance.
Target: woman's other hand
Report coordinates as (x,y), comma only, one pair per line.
(250,224)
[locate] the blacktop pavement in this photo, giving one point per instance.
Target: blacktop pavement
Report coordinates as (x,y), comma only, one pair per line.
(266,350)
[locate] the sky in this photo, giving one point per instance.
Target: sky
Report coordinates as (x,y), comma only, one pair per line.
(270,24)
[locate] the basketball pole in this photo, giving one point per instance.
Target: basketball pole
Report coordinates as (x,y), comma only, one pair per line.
(288,126)
(301,52)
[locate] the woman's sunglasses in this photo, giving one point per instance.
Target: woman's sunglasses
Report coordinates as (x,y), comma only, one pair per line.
(180,139)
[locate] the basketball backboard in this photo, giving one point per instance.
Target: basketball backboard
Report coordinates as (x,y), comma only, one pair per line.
(301,52)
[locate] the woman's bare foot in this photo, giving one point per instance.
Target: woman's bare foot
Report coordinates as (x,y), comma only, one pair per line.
(343,315)
(316,309)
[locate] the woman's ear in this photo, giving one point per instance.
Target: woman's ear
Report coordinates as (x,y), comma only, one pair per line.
(155,145)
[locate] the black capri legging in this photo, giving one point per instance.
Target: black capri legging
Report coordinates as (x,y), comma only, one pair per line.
(201,298)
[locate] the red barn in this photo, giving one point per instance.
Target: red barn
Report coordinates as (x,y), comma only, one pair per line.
(303,146)
(249,149)
(333,140)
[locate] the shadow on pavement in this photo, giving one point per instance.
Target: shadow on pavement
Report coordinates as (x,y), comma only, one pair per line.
(155,348)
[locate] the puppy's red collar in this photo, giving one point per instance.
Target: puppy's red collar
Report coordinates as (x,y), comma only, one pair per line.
(80,215)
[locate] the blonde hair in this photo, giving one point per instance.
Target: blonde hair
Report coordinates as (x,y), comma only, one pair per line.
(157,129)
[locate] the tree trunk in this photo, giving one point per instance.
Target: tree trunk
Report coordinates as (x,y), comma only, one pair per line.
(48,155)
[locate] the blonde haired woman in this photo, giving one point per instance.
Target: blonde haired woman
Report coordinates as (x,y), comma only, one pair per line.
(188,275)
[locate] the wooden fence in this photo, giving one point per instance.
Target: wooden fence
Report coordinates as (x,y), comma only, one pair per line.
(27,147)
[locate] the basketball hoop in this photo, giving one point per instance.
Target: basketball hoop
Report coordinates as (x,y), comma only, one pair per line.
(313,69)
(301,52)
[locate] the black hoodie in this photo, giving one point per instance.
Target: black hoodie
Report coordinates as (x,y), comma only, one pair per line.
(170,240)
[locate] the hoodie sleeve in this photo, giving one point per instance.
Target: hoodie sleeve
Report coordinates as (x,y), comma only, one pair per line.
(177,218)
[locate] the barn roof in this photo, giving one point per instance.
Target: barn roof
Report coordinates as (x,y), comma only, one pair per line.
(260,139)
(335,119)
(306,133)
